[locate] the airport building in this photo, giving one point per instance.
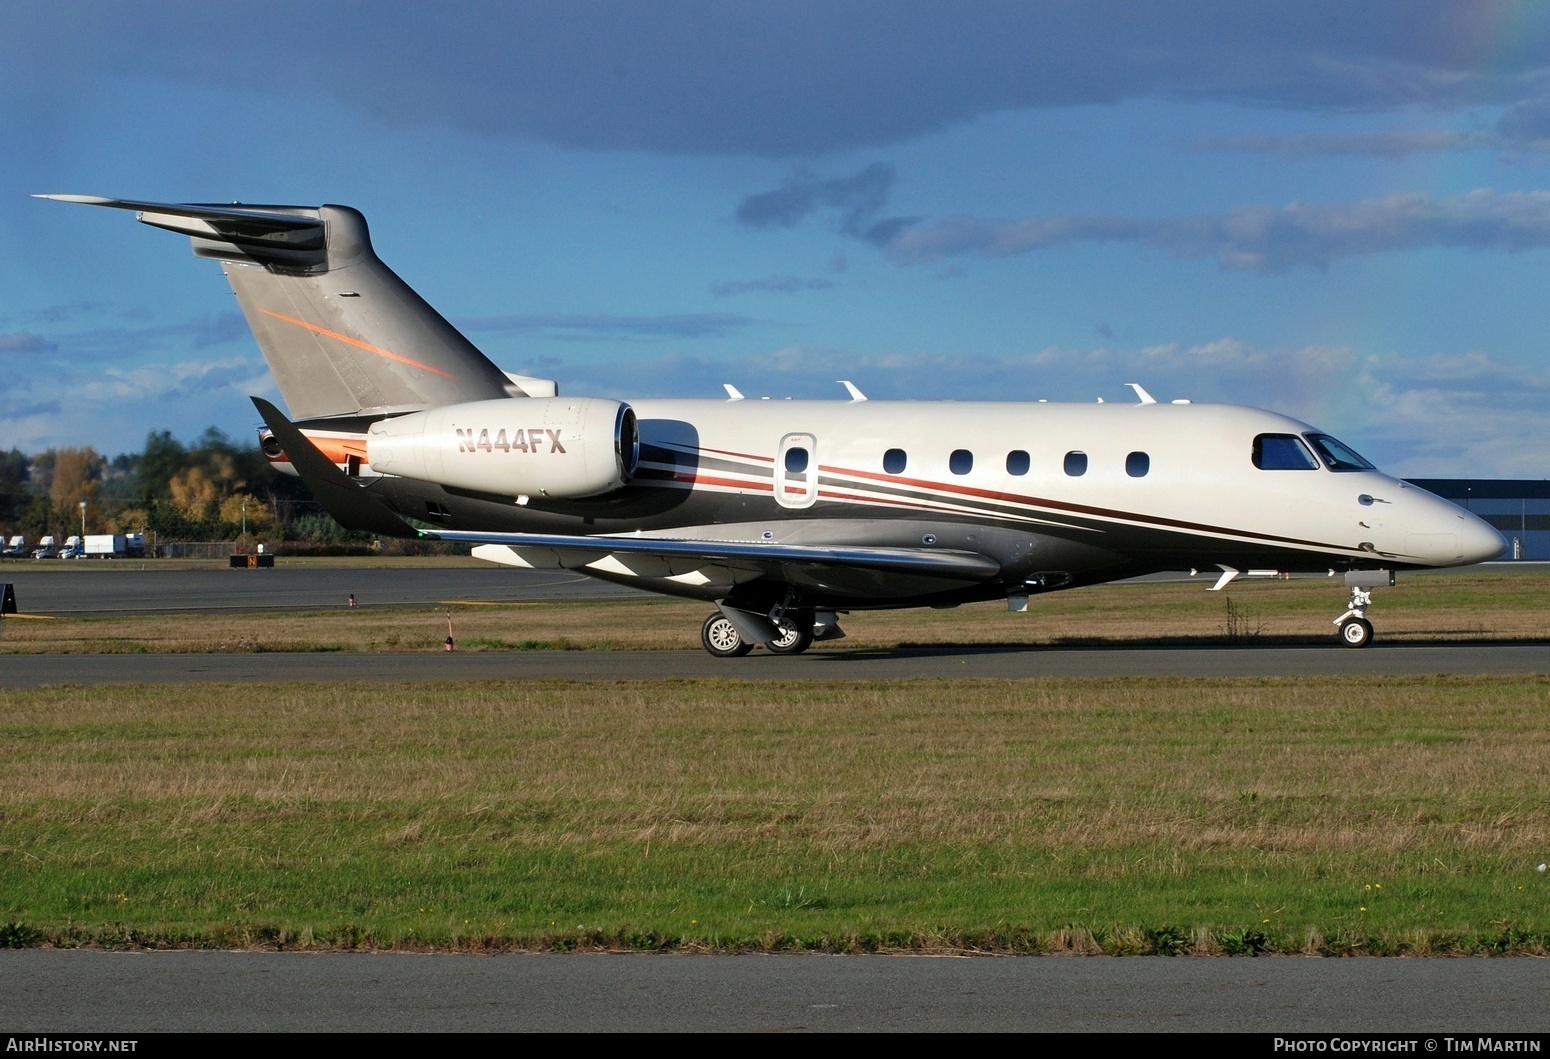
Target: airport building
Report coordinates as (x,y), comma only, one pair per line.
(1519,508)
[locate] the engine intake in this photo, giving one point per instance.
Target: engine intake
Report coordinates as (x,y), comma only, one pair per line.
(562,447)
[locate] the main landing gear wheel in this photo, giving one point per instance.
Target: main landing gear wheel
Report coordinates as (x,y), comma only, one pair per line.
(721,637)
(793,640)
(1357,632)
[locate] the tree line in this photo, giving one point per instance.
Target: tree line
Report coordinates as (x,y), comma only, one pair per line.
(210,489)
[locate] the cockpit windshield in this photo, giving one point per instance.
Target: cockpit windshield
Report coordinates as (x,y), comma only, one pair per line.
(1336,455)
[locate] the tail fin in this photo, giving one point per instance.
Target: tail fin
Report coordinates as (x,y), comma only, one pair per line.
(343,335)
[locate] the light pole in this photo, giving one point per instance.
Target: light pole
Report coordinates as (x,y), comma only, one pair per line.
(244,518)
(83,523)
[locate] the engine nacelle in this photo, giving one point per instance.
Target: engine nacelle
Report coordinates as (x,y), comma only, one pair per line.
(563,447)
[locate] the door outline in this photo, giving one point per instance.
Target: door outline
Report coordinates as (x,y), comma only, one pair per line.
(796,489)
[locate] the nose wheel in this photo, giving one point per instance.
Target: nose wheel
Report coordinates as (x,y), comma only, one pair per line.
(1355,629)
(1356,632)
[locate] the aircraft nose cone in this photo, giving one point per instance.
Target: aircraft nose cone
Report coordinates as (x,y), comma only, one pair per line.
(1480,542)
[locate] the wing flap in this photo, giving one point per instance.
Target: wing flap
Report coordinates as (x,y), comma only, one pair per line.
(804,563)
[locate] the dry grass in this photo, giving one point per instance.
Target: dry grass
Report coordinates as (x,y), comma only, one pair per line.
(1380,814)
(1454,607)
(1280,764)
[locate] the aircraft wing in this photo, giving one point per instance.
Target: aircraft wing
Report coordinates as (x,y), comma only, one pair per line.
(679,557)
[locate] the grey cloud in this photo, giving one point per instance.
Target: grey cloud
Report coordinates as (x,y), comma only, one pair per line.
(857,199)
(1395,145)
(599,325)
(132,343)
(58,314)
(785,78)
(218,329)
(25,342)
(1267,239)
(1525,124)
(1522,127)
(768,285)
(27,409)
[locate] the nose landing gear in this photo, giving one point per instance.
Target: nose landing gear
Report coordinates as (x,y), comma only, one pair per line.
(1355,629)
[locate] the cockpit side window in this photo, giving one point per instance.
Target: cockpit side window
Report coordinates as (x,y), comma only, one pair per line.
(1337,456)
(1282,452)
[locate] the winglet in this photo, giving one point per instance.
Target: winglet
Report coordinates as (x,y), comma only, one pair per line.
(850,388)
(350,505)
(1141,393)
(1228,574)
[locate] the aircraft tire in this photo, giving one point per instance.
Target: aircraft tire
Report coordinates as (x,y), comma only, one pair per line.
(1356,633)
(722,639)
(794,639)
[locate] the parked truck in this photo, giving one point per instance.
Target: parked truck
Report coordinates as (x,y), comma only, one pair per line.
(46,548)
(105,546)
(73,548)
(15,548)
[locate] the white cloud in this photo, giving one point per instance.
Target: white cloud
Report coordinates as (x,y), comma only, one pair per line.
(1262,238)
(1467,414)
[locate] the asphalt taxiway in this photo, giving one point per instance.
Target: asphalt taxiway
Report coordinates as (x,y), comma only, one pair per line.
(126,993)
(130,587)
(142,590)
(24,671)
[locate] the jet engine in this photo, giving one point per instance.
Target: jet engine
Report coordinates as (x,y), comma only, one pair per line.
(562,447)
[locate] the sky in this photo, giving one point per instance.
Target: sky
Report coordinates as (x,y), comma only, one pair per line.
(1337,211)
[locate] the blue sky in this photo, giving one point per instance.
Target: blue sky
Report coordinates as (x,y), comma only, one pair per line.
(1337,211)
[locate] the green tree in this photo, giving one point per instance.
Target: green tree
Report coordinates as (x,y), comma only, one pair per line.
(14,494)
(163,458)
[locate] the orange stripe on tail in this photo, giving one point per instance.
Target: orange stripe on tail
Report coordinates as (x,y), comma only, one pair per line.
(358,344)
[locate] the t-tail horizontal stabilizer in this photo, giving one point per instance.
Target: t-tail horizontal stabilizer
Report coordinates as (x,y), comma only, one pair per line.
(343,334)
(350,505)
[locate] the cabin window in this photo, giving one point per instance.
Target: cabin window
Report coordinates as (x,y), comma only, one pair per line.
(961,461)
(1137,464)
(796,460)
(894,461)
(1283,452)
(1076,464)
(1017,462)
(1337,457)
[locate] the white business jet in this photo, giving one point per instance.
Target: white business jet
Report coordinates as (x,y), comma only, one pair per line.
(785,514)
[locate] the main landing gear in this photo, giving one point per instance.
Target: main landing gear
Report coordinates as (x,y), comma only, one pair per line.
(1355,629)
(795,632)
(721,637)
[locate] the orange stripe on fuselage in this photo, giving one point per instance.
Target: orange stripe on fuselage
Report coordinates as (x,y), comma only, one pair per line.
(358,344)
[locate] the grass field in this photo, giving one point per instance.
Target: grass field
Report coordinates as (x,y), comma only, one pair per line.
(1378,815)
(1472,605)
